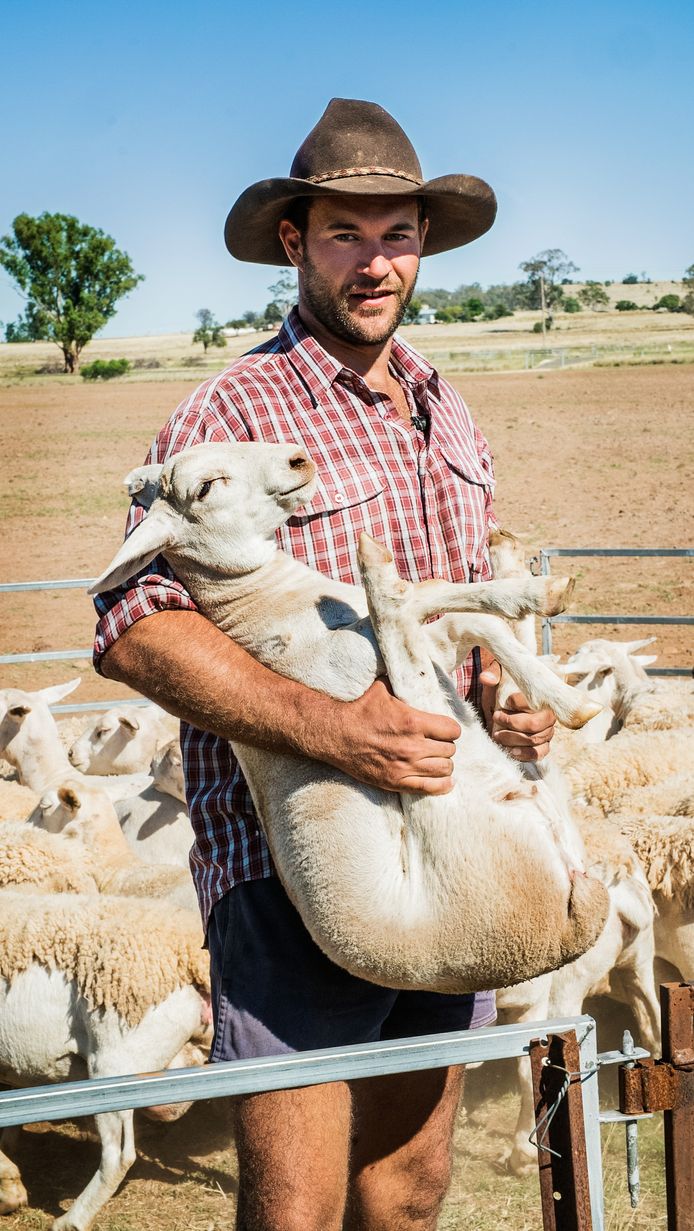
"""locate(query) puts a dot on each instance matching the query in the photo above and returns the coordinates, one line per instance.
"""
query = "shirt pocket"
(326, 533)
(471, 482)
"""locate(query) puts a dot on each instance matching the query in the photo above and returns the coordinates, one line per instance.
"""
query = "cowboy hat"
(357, 147)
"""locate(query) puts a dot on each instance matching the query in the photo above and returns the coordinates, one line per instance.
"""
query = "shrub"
(105, 369)
(630, 280)
(496, 312)
(537, 327)
(571, 305)
(673, 303)
(626, 305)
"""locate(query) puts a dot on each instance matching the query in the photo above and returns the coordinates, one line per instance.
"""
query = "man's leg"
(293, 1147)
(402, 1149)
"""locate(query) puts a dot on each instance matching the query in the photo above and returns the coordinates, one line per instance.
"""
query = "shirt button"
(339, 498)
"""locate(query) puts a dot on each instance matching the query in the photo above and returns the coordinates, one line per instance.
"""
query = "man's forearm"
(193, 670)
(190, 668)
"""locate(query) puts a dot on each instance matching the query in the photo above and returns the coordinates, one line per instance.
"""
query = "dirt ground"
(585, 458)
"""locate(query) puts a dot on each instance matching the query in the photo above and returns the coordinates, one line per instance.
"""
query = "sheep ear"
(153, 535)
(604, 671)
(69, 798)
(54, 694)
(19, 711)
(631, 647)
(143, 484)
(645, 660)
(130, 724)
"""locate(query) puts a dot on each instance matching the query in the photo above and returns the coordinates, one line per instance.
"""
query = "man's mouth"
(374, 299)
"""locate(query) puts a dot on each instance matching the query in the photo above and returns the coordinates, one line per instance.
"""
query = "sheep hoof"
(13, 1194)
(583, 712)
(558, 595)
(371, 553)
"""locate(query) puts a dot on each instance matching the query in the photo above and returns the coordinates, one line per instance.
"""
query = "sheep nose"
(71, 755)
(298, 461)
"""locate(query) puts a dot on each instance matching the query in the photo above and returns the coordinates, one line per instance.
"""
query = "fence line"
(546, 554)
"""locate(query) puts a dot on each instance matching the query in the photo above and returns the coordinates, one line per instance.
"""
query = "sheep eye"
(203, 489)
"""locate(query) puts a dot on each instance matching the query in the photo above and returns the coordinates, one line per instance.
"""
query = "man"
(399, 456)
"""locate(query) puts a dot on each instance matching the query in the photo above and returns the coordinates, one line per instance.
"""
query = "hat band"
(347, 172)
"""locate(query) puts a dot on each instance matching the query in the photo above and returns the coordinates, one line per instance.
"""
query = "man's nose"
(376, 266)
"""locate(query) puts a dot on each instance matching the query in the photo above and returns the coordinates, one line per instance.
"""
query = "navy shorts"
(275, 991)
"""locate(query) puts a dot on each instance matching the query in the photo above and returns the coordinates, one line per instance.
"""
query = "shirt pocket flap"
(469, 464)
(334, 495)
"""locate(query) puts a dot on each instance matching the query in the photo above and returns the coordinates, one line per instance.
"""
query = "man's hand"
(525, 734)
(385, 743)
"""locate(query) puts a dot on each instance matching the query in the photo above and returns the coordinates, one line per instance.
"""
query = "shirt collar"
(320, 370)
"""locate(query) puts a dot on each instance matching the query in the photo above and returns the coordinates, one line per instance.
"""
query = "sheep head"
(217, 506)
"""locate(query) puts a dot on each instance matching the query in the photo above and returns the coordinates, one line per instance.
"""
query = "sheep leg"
(453, 637)
(513, 598)
(115, 1129)
(13, 1194)
(521, 1157)
(635, 983)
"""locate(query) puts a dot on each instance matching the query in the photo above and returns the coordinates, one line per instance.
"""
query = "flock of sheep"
(99, 975)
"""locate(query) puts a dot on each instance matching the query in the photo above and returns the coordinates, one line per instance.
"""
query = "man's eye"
(346, 236)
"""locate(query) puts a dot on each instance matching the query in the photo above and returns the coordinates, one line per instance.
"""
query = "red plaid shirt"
(426, 494)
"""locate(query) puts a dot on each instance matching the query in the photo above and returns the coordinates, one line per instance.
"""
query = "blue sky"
(148, 119)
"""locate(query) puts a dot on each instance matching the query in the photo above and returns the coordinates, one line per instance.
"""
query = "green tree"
(544, 274)
(630, 280)
(412, 311)
(284, 292)
(673, 303)
(688, 277)
(688, 280)
(569, 304)
(209, 331)
(594, 295)
(71, 275)
(626, 305)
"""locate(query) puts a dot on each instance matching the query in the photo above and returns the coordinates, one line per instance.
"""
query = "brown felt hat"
(357, 147)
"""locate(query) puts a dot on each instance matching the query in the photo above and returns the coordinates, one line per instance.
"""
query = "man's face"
(358, 263)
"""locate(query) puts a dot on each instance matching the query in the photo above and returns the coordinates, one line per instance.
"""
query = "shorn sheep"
(613, 673)
(30, 741)
(123, 740)
(407, 891)
(123, 986)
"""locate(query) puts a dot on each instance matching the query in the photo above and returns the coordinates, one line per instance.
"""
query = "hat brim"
(460, 208)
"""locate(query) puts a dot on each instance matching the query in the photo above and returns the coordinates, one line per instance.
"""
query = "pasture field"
(589, 456)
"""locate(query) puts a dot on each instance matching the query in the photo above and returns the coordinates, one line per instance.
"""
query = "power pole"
(543, 303)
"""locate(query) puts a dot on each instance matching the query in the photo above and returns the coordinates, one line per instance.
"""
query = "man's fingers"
(529, 753)
(530, 722)
(439, 727)
(519, 739)
(430, 786)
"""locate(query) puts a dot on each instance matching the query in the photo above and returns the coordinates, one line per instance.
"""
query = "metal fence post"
(677, 1014)
(560, 1133)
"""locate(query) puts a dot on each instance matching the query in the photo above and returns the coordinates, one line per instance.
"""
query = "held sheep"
(404, 891)
(122, 986)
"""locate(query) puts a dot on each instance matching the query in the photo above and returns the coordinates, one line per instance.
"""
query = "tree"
(626, 305)
(673, 303)
(209, 331)
(544, 273)
(412, 311)
(284, 292)
(594, 295)
(569, 304)
(71, 275)
(630, 280)
(688, 277)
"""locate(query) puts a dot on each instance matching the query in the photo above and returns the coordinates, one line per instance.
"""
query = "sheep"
(407, 891)
(613, 673)
(29, 740)
(620, 962)
(123, 740)
(16, 801)
(602, 774)
(167, 771)
(672, 796)
(157, 827)
(122, 986)
(47, 861)
(665, 846)
(81, 811)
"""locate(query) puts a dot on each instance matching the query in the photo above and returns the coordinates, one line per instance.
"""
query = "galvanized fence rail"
(350, 1063)
(548, 622)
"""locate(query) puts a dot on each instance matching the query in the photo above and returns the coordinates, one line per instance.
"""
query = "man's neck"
(369, 362)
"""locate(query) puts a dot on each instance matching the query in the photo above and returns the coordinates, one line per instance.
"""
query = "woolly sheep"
(122, 986)
(602, 774)
(122, 740)
(665, 846)
(39, 860)
(86, 813)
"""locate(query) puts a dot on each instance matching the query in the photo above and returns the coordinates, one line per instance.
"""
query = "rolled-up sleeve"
(198, 419)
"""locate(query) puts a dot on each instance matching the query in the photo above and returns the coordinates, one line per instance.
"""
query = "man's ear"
(290, 238)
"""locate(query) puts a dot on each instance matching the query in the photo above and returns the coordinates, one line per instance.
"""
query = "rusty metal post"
(677, 1013)
(560, 1134)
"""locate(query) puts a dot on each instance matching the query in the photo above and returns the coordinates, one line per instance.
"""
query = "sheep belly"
(37, 1031)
